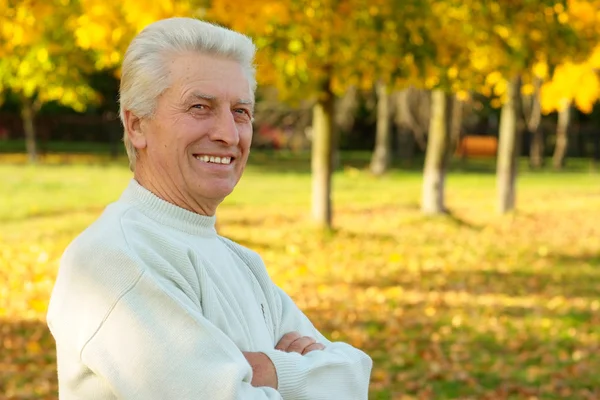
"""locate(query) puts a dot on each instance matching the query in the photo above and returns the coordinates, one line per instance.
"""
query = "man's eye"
(243, 113)
(200, 106)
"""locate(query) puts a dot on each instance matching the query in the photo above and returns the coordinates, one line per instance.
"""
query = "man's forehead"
(204, 76)
(200, 95)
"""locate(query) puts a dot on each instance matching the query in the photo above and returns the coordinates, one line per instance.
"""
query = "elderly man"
(150, 302)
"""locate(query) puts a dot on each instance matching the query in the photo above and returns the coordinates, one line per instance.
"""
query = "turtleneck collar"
(167, 213)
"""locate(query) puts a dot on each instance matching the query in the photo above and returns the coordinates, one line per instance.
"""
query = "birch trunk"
(434, 174)
(322, 158)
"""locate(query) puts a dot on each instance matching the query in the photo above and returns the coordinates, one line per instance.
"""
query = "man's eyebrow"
(202, 96)
(246, 102)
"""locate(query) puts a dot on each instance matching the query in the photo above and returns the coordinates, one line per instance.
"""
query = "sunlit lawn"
(469, 306)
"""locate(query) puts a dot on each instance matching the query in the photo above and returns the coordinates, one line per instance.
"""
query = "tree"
(574, 83)
(436, 158)
(39, 62)
(107, 27)
(532, 114)
(448, 39)
(382, 156)
(411, 117)
(522, 36)
(562, 136)
(318, 50)
(508, 149)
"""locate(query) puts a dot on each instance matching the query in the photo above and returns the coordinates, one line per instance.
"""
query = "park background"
(424, 181)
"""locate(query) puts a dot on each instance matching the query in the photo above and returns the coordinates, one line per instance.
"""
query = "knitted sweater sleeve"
(340, 371)
(155, 344)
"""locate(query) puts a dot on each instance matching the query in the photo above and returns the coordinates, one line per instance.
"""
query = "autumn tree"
(318, 50)
(382, 157)
(107, 27)
(574, 83)
(532, 116)
(516, 40)
(497, 49)
(444, 40)
(39, 61)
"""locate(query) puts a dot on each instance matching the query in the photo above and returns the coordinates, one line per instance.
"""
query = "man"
(150, 303)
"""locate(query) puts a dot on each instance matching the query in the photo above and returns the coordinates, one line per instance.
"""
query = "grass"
(468, 306)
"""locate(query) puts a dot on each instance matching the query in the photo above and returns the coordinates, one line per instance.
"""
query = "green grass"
(468, 306)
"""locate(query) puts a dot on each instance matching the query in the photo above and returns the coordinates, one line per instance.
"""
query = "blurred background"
(424, 180)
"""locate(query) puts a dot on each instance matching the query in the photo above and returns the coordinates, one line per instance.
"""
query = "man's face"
(198, 141)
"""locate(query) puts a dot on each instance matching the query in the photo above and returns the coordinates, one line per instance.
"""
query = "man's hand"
(293, 342)
(263, 370)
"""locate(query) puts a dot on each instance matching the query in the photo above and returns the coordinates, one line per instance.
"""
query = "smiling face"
(193, 150)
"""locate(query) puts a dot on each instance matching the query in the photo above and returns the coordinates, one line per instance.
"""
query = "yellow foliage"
(527, 89)
(107, 27)
(540, 69)
(584, 14)
(571, 82)
(38, 59)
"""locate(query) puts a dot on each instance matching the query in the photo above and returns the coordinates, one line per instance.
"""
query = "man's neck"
(167, 190)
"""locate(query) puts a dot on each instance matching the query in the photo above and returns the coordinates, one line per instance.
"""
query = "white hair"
(144, 73)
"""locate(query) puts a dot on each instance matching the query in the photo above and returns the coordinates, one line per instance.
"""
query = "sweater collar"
(167, 213)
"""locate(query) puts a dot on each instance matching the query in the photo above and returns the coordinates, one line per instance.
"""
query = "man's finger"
(286, 340)
(300, 344)
(313, 347)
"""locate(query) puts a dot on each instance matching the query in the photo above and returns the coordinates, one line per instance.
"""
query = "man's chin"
(215, 193)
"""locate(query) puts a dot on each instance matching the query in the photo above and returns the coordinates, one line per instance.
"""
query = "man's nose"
(225, 129)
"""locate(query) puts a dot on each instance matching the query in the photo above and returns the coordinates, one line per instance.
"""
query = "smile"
(213, 159)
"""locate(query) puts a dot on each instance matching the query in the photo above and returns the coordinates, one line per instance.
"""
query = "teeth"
(216, 160)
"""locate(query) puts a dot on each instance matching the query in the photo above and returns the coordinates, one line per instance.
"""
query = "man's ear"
(133, 127)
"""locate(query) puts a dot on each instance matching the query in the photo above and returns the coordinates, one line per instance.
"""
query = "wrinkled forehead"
(209, 76)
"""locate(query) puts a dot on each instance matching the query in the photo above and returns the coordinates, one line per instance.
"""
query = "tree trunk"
(434, 175)
(412, 110)
(380, 161)
(28, 114)
(455, 124)
(322, 157)
(336, 156)
(562, 137)
(508, 146)
(406, 145)
(537, 148)
(532, 113)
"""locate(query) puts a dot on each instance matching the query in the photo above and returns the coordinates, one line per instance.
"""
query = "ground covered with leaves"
(467, 306)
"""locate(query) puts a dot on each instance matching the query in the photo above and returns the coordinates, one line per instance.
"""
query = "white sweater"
(150, 303)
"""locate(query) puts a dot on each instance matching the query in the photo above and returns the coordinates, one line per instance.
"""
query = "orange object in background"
(477, 146)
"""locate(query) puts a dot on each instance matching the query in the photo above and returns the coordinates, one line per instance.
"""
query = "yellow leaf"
(33, 348)
(295, 46)
(540, 69)
(527, 89)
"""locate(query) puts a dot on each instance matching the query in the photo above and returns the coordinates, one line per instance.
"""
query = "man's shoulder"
(115, 231)
(105, 233)
(97, 267)
(107, 252)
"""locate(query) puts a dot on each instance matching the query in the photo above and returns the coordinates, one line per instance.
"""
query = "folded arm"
(338, 371)
(156, 344)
